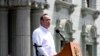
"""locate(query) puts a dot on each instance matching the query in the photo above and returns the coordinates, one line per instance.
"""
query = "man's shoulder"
(37, 30)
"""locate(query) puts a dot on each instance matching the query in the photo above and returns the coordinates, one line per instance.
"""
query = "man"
(43, 38)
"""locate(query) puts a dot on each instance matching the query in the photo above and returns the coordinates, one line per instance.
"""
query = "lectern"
(70, 49)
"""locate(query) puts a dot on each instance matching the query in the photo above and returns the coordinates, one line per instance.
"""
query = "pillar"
(95, 46)
(3, 32)
(83, 35)
(21, 32)
(35, 18)
(35, 22)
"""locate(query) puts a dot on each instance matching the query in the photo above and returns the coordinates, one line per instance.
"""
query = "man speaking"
(43, 39)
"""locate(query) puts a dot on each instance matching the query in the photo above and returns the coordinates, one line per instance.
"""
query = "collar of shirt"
(44, 29)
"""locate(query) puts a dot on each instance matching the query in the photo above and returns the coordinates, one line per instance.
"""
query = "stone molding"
(63, 4)
(18, 2)
(93, 12)
(26, 3)
(39, 5)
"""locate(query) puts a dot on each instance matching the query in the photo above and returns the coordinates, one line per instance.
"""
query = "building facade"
(78, 21)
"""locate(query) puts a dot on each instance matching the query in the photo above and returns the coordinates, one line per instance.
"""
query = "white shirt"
(41, 36)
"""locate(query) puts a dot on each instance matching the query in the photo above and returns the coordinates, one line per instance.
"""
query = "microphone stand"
(57, 31)
(62, 37)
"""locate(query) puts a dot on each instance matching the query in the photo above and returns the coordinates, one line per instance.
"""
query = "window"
(89, 50)
(88, 3)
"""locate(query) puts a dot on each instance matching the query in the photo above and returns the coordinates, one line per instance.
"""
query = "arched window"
(68, 26)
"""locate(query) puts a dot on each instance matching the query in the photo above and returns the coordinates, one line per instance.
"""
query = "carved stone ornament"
(93, 32)
(39, 5)
(63, 4)
(89, 32)
(96, 14)
(65, 26)
(85, 30)
(93, 12)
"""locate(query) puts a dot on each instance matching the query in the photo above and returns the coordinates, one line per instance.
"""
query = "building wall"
(98, 26)
(76, 19)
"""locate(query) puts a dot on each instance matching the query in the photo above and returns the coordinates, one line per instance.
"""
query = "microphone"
(58, 31)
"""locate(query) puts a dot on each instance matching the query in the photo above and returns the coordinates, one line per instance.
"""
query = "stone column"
(83, 35)
(21, 32)
(95, 47)
(35, 22)
(35, 18)
(3, 32)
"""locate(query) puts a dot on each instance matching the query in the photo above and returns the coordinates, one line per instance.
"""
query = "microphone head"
(57, 30)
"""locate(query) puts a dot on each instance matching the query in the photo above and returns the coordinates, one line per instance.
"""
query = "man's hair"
(41, 18)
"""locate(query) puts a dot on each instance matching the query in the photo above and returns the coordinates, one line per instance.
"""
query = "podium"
(70, 49)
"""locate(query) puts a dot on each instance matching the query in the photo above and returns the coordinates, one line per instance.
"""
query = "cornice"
(63, 4)
(31, 4)
(39, 5)
(93, 12)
